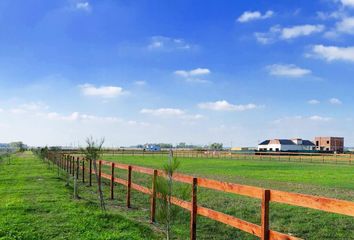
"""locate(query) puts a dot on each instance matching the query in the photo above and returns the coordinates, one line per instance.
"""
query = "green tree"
(92, 153)
(164, 189)
(216, 146)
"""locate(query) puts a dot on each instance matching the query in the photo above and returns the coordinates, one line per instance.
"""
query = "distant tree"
(165, 145)
(92, 152)
(216, 146)
(181, 145)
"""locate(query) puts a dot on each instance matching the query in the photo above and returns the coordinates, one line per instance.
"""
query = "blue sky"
(175, 71)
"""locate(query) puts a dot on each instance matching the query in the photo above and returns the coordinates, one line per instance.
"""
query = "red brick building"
(330, 144)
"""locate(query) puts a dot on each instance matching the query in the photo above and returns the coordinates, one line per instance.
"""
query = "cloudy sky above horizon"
(175, 71)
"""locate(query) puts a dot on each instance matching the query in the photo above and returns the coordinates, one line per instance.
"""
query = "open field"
(36, 195)
(325, 180)
(35, 204)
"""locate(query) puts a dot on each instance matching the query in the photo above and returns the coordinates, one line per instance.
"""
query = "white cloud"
(1, 110)
(163, 112)
(84, 6)
(346, 25)
(313, 102)
(287, 70)
(278, 33)
(223, 105)
(335, 101)
(30, 107)
(140, 83)
(332, 53)
(168, 44)
(302, 119)
(301, 30)
(76, 116)
(103, 91)
(193, 75)
(256, 15)
(319, 118)
(348, 3)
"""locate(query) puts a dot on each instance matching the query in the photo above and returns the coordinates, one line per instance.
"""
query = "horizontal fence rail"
(68, 162)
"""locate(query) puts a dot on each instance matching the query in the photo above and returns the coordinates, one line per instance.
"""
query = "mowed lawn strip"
(35, 204)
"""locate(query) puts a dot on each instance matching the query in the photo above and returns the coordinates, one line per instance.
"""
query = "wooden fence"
(75, 165)
(261, 156)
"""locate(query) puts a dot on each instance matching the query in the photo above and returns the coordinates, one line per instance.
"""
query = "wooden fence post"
(112, 181)
(77, 167)
(99, 172)
(153, 198)
(90, 173)
(265, 215)
(73, 166)
(83, 170)
(129, 185)
(193, 223)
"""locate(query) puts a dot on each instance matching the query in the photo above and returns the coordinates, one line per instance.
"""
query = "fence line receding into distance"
(74, 164)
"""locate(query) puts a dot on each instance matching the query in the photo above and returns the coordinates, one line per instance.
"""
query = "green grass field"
(35, 204)
(328, 180)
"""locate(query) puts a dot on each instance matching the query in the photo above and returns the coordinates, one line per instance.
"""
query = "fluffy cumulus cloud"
(224, 105)
(346, 25)
(313, 102)
(277, 32)
(301, 30)
(163, 43)
(163, 111)
(332, 53)
(335, 101)
(84, 6)
(194, 75)
(348, 3)
(256, 15)
(287, 70)
(102, 91)
(319, 118)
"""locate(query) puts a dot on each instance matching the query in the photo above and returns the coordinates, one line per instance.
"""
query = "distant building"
(152, 147)
(286, 145)
(329, 144)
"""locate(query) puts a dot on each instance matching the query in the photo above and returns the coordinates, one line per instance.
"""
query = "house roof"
(307, 143)
(286, 142)
(266, 142)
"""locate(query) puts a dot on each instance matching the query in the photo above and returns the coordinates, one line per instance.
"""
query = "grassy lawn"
(35, 204)
(329, 180)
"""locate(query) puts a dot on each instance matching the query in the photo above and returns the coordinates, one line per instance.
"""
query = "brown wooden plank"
(121, 181)
(320, 203)
(183, 204)
(231, 187)
(230, 220)
(273, 235)
(143, 170)
(140, 188)
(105, 175)
(179, 177)
(121, 166)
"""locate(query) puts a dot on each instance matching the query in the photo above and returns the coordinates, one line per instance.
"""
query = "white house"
(286, 145)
